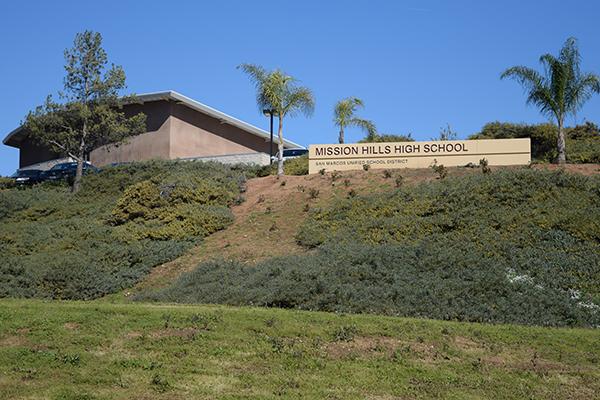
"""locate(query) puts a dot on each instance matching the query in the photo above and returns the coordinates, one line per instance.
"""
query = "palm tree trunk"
(561, 145)
(341, 137)
(280, 152)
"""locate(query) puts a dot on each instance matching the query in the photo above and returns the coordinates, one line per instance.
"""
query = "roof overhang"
(14, 139)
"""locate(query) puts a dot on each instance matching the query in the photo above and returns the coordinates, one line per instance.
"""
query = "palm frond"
(299, 99)
(256, 72)
(582, 90)
(537, 87)
(364, 124)
(345, 109)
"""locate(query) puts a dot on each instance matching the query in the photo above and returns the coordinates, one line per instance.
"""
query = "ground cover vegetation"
(517, 246)
(100, 351)
(293, 166)
(124, 221)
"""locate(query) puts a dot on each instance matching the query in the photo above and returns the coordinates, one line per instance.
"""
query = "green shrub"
(296, 166)
(293, 166)
(6, 183)
(432, 279)
(178, 207)
(505, 204)
(439, 169)
(377, 138)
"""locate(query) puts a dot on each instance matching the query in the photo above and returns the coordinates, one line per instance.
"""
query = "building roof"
(13, 138)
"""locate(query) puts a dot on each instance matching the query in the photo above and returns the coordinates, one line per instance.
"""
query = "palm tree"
(561, 90)
(344, 115)
(278, 92)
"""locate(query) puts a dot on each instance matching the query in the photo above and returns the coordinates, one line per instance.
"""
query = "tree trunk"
(280, 152)
(341, 137)
(79, 171)
(561, 145)
(80, 156)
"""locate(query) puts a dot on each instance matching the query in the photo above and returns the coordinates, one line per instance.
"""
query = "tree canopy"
(90, 113)
(344, 115)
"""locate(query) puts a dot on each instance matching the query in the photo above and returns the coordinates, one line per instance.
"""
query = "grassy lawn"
(98, 350)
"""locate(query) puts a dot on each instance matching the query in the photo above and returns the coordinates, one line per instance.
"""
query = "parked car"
(291, 153)
(67, 170)
(28, 176)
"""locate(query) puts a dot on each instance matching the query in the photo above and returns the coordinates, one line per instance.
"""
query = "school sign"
(344, 157)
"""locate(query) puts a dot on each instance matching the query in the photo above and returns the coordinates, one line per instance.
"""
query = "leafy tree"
(446, 134)
(90, 114)
(378, 138)
(277, 91)
(344, 116)
(560, 90)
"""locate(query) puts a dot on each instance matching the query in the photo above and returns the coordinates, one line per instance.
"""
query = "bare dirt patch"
(71, 326)
(467, 344)
(133, 335)
(13, 341)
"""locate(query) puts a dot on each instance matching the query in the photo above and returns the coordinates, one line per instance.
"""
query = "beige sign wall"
(344, 157)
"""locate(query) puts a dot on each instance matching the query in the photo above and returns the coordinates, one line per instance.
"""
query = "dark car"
(292, 153)
(66, 171)
(28, 176)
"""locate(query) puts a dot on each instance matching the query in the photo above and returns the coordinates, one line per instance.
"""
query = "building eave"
(12, 135)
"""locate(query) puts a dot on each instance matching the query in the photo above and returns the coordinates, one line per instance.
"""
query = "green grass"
(93, 350)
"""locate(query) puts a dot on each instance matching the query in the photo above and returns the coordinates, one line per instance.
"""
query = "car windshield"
(27, 172)
(59, 167)
(70, 166)
(294, 152)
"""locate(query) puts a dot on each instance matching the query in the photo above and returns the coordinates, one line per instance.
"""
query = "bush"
(293, 166)
(174, 207)
(517, 246)
(296, 166)
(377, 138)
(6, 183)
(126, 220)
(582, 141)
(432, 279)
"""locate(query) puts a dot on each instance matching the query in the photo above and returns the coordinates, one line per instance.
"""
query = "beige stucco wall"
(151, 145)
(176, 131)
(147, 146)
(194, 134)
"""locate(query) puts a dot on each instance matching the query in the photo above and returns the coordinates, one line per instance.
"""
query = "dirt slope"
(266, 222)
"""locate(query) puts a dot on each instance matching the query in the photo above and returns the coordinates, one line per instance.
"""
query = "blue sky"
(418, 65)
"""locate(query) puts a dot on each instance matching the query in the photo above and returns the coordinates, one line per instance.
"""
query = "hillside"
(125, 221)
(272, 212)
(518, 245)
(303, 242)
(93, 350)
